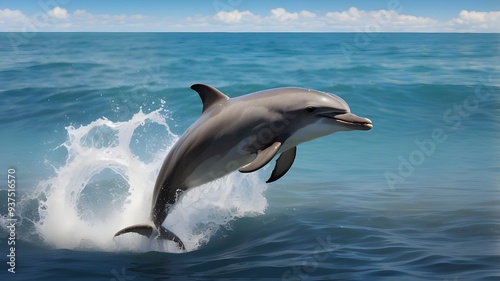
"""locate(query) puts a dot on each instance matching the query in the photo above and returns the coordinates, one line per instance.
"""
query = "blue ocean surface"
(86, 120)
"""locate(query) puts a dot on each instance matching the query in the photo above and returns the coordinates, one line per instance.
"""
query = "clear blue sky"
(252, 15)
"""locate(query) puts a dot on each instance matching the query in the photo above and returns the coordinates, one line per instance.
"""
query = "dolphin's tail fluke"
(147, 230)
(169, 235)
(142, 229)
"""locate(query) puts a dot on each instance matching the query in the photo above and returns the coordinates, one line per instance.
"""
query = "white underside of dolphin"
(245, 134)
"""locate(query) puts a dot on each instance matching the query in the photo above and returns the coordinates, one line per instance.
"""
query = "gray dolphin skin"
(243, 133)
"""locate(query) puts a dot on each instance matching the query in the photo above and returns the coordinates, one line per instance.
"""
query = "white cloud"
(278, 19)
(307, 14)
(478, 17)
(80, 13)
(82, 20)
(281, 14)
(477, 21)
(60, 19)
(12, 20)
(353, 14)
(58, 13)
(337, 16)
(378, 20)
(234, 16)
(10, 14)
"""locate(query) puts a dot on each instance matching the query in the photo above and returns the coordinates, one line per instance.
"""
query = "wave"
(51, 66)
(106, 183)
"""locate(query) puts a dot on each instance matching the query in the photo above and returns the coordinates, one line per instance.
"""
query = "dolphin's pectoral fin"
(209, 95)
(142, 229)
(283, 164)
(169, 235)
(263, 157)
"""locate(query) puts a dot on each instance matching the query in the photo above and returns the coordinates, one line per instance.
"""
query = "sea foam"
(107, 183)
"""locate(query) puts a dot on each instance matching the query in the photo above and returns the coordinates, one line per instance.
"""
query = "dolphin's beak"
(351, 121)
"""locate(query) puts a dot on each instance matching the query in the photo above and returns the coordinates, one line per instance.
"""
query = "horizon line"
(323, 32)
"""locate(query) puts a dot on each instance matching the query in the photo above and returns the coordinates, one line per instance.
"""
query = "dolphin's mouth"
(351, 120)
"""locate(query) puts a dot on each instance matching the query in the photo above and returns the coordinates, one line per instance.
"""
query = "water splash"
(107, 182)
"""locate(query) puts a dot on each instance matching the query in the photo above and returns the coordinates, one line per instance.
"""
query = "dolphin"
(243, 133)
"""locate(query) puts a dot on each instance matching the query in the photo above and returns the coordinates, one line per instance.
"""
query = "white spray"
(104, 186)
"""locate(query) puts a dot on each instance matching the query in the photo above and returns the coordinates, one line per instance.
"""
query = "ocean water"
(86, 120)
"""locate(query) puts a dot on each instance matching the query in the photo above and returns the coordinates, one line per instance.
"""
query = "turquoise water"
(87, 118)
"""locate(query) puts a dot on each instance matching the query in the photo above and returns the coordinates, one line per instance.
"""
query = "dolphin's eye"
(310, 108)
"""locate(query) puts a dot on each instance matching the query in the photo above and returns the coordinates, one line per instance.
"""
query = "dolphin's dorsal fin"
(263, 157)
(209, 95)
(283, 164)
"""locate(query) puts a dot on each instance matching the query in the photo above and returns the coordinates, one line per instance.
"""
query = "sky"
(250, 16)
